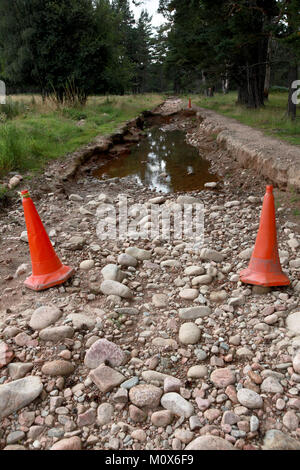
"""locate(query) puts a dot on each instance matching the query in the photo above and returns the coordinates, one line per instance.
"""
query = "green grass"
(296, 212)
(36, 132)
(294, 197)
(5, 195)
(271, 119)
(12, 109)
(32, 132)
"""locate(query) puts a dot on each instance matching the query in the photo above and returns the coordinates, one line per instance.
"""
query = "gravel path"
(151, 345)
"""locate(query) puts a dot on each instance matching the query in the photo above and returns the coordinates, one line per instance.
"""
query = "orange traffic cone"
(190, 103)
(47, 269)
(264, 268)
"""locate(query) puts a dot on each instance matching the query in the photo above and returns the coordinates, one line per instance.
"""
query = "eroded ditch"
(155, 153)
(162, 161)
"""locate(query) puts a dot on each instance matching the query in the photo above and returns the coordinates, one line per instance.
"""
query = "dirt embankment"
(269, 157)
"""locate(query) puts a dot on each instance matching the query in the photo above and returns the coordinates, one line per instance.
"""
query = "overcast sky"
(151, 6)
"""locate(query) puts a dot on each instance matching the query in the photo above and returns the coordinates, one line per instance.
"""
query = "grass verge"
(271, 119)
(33, 132)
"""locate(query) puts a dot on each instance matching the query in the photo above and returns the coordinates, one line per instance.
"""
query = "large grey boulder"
(18, 394)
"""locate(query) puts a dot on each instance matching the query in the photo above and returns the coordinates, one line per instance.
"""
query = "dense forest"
(83, 47)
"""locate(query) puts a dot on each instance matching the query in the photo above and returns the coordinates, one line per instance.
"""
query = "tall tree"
(223, 35)
(159, 78)
(143, 55)
(291, 38)
(63, 46)
(127, 34)
(117, 73)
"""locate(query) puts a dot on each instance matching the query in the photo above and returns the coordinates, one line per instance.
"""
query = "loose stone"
(145, 396)
(104, 414)
(81, 321)
(189, 333)
(127, 260)
(194, 312)
(296, 363)
(162, 418)
(44, 316)
(172, 384)
(58, 368)
(177, 405)
(197, 372)
(6, 354)
(189, 294)
(104, 351)
(112, 272)
(18, 394)
(221, 378)
(56, 334)
(106, 378)
(73, 443)
(291, 420)
(138, 253)
(271, 385)
(87, 265)
(184, 435)
(116, 288)
(249, 398)
(18, 370)
(209, 443)
(277, 440)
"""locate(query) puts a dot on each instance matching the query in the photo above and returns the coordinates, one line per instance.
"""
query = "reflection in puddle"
(163, 161)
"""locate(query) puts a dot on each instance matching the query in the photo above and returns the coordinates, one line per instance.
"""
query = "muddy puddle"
(162, 161)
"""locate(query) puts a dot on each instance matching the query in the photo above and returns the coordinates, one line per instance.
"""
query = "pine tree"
(63, 46)
(213, 37)
(127, 36)
(158, 76)
(291, 39)
(143, 55)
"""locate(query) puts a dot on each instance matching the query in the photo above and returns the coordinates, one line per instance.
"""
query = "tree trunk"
(250, 95)
(44, 95)
(293, 76)
(251, 90)
(204, 83)
(225, 86)
(268, 70)
(251, 75)
(210, 92)
(177, 85)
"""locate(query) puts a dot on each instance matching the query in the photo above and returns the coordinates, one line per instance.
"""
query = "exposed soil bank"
(226, 143)
(269, 157)
(119, 144)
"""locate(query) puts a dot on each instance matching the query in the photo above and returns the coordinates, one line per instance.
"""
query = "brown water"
(162, 161)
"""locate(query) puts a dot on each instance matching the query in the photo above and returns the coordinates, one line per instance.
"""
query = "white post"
(2, 92)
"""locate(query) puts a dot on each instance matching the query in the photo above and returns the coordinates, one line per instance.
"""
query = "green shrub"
(74, 114)
(13, 148)
(42, 134)
(12, 109)
(3, 192)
